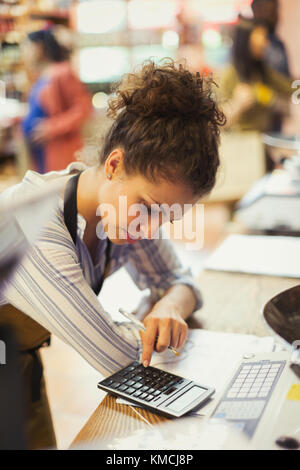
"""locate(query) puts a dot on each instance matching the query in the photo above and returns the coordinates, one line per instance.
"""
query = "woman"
(58, 103)
(250, 89)
(162, 148)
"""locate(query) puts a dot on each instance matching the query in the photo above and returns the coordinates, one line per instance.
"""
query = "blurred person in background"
(276, 55)
(58, 104)
(250, 89)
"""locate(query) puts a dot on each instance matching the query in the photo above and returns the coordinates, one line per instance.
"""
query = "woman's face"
(258, 42)
(126, 200)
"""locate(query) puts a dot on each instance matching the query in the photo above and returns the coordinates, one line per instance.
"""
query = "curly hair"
(167, 122)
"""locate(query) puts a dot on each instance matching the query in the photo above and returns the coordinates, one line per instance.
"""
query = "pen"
(138, 323)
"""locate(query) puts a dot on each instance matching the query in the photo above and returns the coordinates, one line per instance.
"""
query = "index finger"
(148, 340)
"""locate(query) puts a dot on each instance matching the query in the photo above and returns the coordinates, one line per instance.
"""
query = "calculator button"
(252, 394)
(163, 381)
(263, 394)
(151, 390)
(156, 386)
(144, 395)
(130, 368)
(156, 393)
(149, 398)
(137, 385)
(131, 375)
(170, 390)
(137, 393)
(108, 382)
(123, 372)
(268, 382)
(129, 383)
(115, 385)
(172, 382)
(145, 388)
(130, 390)
(122, 380)
(122, 388)
(138, 377)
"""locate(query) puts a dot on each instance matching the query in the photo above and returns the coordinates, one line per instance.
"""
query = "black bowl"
(282, 315)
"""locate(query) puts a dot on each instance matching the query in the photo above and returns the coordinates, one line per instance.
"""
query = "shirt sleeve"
(154, 264)
(50, 288)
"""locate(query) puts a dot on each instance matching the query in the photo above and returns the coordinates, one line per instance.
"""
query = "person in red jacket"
(59, 104)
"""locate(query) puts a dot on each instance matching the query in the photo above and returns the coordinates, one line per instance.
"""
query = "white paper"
(268, 255)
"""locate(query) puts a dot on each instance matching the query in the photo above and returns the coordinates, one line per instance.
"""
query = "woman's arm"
(50, 288)
(153, 264)
(235, 97)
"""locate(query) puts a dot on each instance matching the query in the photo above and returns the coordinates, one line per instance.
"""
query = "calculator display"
(186, 398)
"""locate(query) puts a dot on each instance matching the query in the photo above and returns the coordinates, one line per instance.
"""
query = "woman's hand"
(164, 327)
(244, 96)
(39, 134)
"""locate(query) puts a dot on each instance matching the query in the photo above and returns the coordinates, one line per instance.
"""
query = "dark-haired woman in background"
(250, 89)
(161, 150)
(58, 104)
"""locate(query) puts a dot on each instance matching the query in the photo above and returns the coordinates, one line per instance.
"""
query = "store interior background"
(111, 37)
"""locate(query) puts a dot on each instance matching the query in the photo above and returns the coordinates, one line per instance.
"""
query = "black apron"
(70, 216)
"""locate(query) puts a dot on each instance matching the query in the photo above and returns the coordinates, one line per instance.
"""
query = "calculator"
(157, 390)
(248, 393)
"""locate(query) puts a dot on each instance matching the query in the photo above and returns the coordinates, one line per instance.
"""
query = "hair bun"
(158, 91)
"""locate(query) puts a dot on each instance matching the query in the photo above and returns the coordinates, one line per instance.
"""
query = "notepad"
(266, 255)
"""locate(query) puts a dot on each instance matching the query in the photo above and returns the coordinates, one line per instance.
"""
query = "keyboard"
(248, 393)
(157, 390)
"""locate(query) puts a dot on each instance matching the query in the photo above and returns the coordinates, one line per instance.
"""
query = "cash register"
(273, 204)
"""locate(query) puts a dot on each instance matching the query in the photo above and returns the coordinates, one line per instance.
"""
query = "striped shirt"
(53, 284)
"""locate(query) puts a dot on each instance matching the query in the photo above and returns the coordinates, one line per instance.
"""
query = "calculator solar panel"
(157, 390)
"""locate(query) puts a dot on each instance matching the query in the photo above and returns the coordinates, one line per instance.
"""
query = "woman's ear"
(114, 163)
